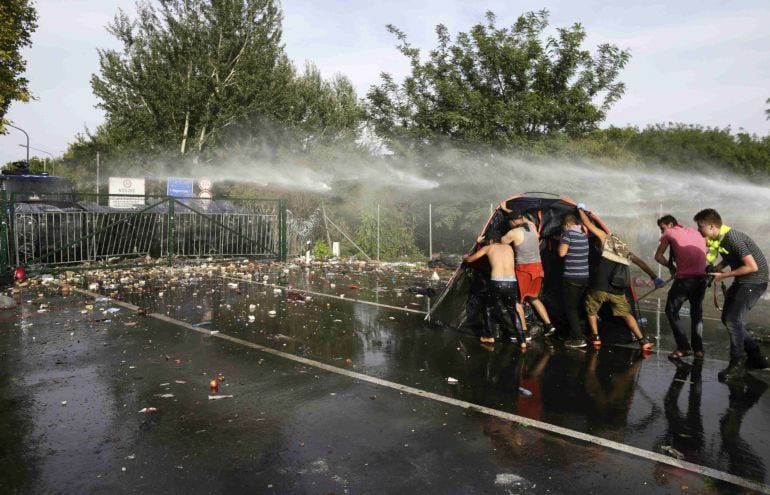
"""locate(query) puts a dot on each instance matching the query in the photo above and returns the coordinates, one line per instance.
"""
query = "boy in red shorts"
(529, 268)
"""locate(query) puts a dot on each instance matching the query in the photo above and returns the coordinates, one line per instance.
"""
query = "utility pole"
(25, 133)
(97, 175)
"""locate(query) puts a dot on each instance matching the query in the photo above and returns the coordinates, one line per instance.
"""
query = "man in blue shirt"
(574, 249)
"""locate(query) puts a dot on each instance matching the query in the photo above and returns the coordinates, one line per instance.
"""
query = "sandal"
(679, 354)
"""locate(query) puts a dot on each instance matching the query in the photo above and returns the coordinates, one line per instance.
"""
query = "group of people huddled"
(517, 276)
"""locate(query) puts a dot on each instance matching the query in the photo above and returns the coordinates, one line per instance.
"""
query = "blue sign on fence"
(180, 187)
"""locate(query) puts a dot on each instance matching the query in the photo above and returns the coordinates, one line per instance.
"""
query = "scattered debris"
(148, 409)
(7, 302)
(451, 381)
(667, 449)
(218, 397)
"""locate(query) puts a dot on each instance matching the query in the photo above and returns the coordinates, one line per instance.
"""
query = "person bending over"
(529, 267)
(610, 281)
(749, 268)
(503, 286)
(687, 264)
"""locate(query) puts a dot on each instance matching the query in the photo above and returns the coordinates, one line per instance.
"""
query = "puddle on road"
(614, 393)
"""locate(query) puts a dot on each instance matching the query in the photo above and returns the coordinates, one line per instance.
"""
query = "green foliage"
(397, 230)
(196, 76)
(190, 69)
(692, 147)
(18, 20)
(324, 110)
(321, 250)
(502, 86)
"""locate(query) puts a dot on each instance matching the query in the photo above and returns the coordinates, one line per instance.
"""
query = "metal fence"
(79, 228)
(395, 231)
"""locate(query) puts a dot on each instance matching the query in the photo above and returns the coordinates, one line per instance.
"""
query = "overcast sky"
(701, 62)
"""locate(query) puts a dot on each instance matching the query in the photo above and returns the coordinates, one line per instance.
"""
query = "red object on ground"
(20, 273)
(294, 296)
(214, 385)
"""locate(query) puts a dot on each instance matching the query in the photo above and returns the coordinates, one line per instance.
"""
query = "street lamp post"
(42, 151)
(25, 133)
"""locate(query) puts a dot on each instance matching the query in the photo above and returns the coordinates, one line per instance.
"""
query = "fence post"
(430, 231)
(282, 234)
(4, 252)
(171, 228)
(378, 232)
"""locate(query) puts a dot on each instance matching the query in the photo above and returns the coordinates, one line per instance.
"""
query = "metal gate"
(75, 229)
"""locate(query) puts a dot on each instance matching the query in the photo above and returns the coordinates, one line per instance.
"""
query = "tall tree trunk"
(186, 130)
(202, 138)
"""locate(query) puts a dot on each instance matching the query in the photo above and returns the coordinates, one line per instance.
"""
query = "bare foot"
(523, 345)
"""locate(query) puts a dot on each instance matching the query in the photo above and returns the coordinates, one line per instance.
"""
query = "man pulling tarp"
(462, 303)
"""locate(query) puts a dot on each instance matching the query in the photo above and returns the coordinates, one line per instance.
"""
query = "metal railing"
(78, 228)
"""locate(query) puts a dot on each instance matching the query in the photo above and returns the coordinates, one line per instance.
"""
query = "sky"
(697, 62)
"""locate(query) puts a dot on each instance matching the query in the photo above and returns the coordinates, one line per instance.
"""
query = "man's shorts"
(530, 276)
(595, 299)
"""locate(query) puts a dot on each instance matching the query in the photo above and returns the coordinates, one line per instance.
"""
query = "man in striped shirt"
(749, 268)
(574, 249)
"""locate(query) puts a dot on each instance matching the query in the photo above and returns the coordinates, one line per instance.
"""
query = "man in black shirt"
(749, 267)
(611, 279)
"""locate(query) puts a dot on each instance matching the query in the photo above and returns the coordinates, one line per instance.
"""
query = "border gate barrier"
(72, 229)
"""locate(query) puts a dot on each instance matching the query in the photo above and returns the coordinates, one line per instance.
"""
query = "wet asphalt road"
(294, 428)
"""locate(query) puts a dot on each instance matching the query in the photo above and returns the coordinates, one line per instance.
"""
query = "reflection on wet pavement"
(615, 393)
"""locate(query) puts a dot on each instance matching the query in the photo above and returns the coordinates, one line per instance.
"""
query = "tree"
(191, 69)
(499, 85)
(325, 110)
(18, 20)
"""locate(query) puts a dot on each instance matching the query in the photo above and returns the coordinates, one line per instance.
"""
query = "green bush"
(321, 250)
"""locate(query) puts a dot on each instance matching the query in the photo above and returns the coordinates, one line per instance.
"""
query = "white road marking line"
(322, 294)
(521, 420)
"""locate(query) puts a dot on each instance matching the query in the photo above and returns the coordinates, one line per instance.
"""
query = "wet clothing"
(688, 249)
(573, 291)
(738, 245)
(529, 249)
(611, 278)
(596, 298)
(739, 300)
(691, 289)
(743, 294)
(576, 260)
(504, 296)
(575, 277)
(714, 245)
(612, 274)
(530, 277)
